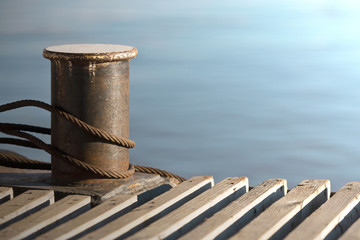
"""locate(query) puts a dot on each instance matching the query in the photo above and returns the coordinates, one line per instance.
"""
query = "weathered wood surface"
(204, 203)
(45, 217)
(195, 209)
(280, 215)
(24, 179)
(24, 203)
(353, 233)
(326, 219)
(6, 193)
(92, 217)
(255, 200)
(159, 205)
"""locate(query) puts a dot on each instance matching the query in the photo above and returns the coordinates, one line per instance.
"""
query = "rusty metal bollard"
(91, 82)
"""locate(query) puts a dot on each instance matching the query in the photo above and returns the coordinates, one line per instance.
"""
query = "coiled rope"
(11, 159)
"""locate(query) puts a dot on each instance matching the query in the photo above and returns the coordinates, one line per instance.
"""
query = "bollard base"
(22, 180)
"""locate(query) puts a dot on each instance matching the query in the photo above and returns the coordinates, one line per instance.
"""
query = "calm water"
(261, 89)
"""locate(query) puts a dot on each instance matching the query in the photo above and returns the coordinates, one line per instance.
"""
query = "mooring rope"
(74, 120)
(15, 160)
(18, 142)
(11, 159)
(62, 156)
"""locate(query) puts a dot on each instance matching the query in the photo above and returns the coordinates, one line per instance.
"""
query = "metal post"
(91, 82)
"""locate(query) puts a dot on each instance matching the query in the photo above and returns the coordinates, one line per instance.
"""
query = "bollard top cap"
(90, 52)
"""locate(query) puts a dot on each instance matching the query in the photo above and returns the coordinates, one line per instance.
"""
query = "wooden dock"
(195, 209)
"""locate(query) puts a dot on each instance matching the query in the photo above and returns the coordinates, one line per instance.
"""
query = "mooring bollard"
(91, 82)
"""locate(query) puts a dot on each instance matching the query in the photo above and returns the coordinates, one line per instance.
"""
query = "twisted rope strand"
(124, 142)
(159, 172)
(28, 128)
(58, 154)
(15, 160)
(11, 159)
(18, 142)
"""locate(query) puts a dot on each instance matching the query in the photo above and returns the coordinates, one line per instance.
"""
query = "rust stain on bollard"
(91, 82)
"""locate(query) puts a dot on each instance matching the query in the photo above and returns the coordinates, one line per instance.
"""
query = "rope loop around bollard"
(11, 159)
(74, 120)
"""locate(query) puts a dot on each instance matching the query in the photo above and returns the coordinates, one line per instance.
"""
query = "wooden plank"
(279, 217)
(324, 220)
(260, 197)
(24, 204)
(157, 207)
(35, 179)
(6, 193)
(353, 233)
(92, 217)
(195, 211)
(43, 218)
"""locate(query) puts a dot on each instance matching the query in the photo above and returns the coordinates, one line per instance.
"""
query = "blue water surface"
(263, 89)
